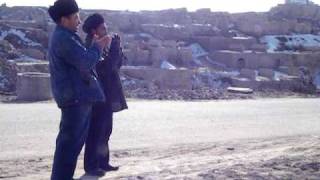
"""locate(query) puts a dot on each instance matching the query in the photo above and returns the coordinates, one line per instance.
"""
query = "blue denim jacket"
(72, 67)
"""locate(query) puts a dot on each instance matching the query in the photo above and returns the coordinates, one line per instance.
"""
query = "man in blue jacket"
(74, 85)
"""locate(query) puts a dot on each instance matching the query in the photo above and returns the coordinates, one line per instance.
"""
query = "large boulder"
(18, 38)
(7, 51)
(37, 35)
(33, 86)
(33, 53)
(8, 76)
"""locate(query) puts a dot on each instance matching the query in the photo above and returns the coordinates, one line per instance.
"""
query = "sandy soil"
(238, 139)
(281, 158)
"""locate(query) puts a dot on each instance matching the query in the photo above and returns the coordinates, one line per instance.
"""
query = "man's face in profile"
(101, 30)
(71, 22)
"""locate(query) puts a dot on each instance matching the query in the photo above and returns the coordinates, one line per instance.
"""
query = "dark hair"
(62, 8)
(92, 22)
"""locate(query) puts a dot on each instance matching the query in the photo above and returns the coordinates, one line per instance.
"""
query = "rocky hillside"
(27, 28)
(25, 31)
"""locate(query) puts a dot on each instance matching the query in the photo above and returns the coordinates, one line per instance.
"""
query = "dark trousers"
(97, 144)
(74, 126)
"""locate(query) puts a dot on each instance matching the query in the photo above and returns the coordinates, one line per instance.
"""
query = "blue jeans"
(74, 127)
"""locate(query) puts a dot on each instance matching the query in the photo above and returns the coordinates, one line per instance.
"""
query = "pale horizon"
(232, 6)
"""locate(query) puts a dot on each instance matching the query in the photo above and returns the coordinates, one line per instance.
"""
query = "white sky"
(136, 5)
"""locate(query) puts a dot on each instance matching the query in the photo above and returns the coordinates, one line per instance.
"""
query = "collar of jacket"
(61, 28)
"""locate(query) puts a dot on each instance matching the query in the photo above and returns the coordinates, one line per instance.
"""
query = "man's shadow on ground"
(88, 177)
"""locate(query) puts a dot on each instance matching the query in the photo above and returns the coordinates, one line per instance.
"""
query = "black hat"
(62, 8)
(92, 22)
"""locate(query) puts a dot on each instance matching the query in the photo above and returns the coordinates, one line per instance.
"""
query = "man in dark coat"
(74, 85)
(97, 149)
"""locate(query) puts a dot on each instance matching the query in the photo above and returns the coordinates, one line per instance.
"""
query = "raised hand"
(115, 44)
(102, 42)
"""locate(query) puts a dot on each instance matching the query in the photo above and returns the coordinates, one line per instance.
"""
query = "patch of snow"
(230, 26)
(271, 42)
(177, 26)
(229, 51)
(280, 75)
(227, 74)
(256, 72)
(197, 61)
(166, 65)
(197, 51)
(242, 37)
(220, 74)
(305, 40)
(207, 25)
(207, 78)
(135, 67)
(216, 29)
(146, 35)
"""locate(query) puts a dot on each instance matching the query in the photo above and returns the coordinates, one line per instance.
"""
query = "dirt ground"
(233, 139)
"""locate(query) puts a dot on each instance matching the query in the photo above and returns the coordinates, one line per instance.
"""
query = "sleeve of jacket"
(121, 59)
(77, 55)
(114, 57)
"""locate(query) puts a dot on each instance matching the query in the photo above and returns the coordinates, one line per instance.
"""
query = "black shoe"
(96, 172)
(110, 168)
